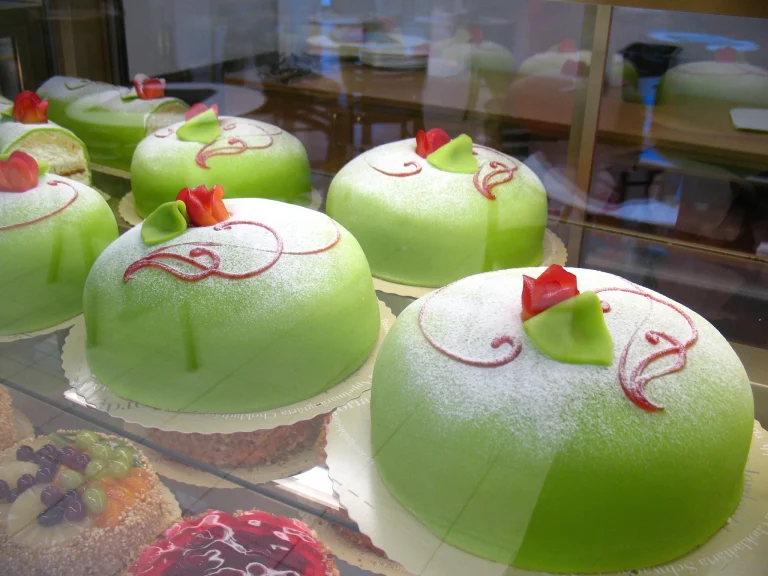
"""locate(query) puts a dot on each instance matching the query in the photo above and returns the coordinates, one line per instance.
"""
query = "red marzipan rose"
(204, 207)
(148, 88)
(198, 109)
(727, 54)
(553, 286)
(429, 141)
(476, 33)
(566, 45)
(29, 109)
(19, 173)
(575, 68)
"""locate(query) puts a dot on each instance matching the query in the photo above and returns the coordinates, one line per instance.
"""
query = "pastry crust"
(7, 423)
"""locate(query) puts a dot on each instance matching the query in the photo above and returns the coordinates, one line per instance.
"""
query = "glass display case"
(173, 346)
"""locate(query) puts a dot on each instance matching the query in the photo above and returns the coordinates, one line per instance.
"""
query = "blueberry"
(25, 482)
(51, 517)
(72, 495)
(51, 496)
(12, 495)
(45, 475)
(66, 452)
(25, 454)
(75, 510)
(81, 461)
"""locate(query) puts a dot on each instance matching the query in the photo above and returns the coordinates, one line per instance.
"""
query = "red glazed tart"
(248, 449)
(78, 503)
(7, 422)
(243, 543)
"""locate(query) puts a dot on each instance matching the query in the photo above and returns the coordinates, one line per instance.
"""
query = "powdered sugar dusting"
(269, 143)
(19, 207)
(548, 398)
(448, 194)
(241, 249)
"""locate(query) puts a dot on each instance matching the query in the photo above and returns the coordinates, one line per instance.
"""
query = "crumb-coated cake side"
(243, 543)
(561, 420)
(7, 422)
(78, 503)
(245, 449)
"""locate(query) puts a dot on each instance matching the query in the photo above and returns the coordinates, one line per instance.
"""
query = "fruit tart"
(78, 503)
(246, 543)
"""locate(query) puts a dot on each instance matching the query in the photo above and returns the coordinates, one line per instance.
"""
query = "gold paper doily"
(96, 395)
(554, 252)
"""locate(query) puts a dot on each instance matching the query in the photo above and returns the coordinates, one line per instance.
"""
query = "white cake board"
(98, 396)
(24, 427)
(554, 252)
(348, 551)
(24, 335)
(739, 549)
(127, 206)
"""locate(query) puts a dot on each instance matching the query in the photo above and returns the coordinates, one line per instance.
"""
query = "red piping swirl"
(486, 184)
(66, 205)
(416, 169)
(633, 382)
(169, 132)
(515, 346)
(234, 146)
(201, 250)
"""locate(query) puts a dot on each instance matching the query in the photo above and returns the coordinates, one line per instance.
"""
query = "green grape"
(123, 459)
(118, 469)
(70, 480)
(124, 454)
(96, 469)
(85, 439)
(95, 500)
(100, 452)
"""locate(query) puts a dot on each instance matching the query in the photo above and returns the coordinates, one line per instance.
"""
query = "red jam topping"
(726, 54)
(634, 380)
(204, 207)
(148, 88)
(476, 34)
(19, 173)
(553, 286)
(429, 141)
(219, 543)
(198, 109)
(28, 108)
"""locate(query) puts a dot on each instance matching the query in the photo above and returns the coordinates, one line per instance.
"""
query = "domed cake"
(561, 421)
(24, 126)
(700, 91)
(432, 210)
(51, 231)
(258, 304)
(78, 503)
(111, 120)
(621, 73)
(245, 157)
